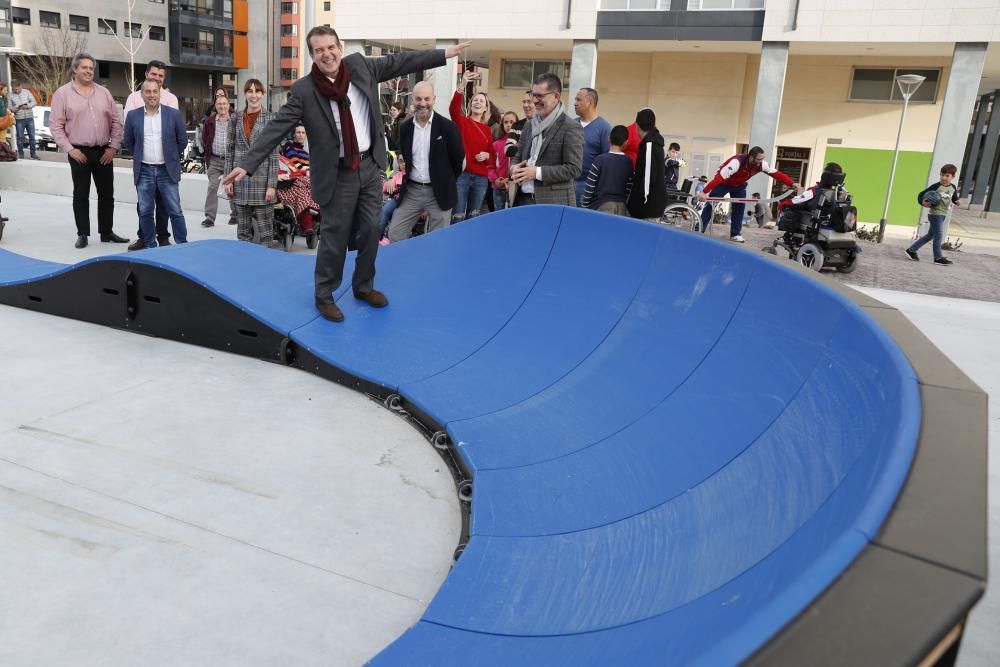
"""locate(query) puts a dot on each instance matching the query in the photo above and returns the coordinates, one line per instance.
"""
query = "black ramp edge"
(886, 609)
(94, 292)
(941, 515)
(169, 305)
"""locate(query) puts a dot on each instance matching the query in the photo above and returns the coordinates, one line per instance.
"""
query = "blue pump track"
(675, 446)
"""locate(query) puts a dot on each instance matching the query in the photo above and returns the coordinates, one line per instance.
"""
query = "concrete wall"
(53, 178)
(883, 20)
(468, 19)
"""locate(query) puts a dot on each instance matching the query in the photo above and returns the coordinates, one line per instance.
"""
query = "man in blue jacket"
(156, 136)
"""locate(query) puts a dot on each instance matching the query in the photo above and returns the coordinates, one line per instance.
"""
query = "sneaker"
(912, 255)
(207, 223)
(943, 261)
(232, 220)
(737, 239)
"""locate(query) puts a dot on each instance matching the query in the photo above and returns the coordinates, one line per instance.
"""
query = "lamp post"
(908, 84)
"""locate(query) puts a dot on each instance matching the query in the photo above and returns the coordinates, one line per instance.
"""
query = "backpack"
(7, 154)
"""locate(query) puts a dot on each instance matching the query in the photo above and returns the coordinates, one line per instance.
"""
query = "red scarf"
(337, 91)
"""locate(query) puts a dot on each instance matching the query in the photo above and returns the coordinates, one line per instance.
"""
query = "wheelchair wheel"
(850, 266)
(311, 241)
(287, 241)
(810, 256)
(681, 215)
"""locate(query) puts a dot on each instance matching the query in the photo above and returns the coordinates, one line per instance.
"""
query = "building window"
(227, 9)
(227, 43)
(872, 84)
(289, 52)
(157, 33)
(288, 74)
(4, 21)
(289, 30)
(289, 8)
(159, 2)
(725, 4)
(206, 42)
(107, 26)
(21, 15)
(636, 4)
(189, 40)
(103, 70)
(79, 23)
(49, 19)
(326, 6)
(132, 29)
(521, 73)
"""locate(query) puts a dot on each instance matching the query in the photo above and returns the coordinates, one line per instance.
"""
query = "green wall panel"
(868, 178)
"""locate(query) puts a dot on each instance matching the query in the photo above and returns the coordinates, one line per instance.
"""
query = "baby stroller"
(286, 224)
(820, 233)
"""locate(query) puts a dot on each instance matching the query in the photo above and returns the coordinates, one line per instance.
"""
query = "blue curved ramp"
(676, 445)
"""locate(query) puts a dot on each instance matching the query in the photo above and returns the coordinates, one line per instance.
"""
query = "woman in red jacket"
(479, 153)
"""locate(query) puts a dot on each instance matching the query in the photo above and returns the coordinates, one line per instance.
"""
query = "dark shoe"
(162, 241)
(35, 157)
(137, 245)
(373, 298)
(112, 238)
(207, 223)
(81, 241)
(912, 255)
(943, 261)
(330, 311)
(232, 220)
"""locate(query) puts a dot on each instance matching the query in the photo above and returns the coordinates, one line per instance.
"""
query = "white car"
(43, 135)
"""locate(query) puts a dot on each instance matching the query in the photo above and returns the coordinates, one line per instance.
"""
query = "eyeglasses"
(541, 96)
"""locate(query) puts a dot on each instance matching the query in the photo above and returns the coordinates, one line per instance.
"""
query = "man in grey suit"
(338, 103)
(550, 153)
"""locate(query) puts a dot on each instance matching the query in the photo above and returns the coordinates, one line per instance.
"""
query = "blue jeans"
(735, 210)
(471, 192)
(153, 181)
(162, 230)
(499, 199)
(22, 125)
(388, 208)
(935, 233)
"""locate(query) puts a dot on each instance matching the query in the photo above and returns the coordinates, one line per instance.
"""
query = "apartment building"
(205, 42)
(810, 80)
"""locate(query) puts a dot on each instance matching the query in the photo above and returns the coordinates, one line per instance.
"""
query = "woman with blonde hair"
(477, 137)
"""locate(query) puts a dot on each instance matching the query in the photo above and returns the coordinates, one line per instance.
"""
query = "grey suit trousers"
(416, 200)
(356, 203)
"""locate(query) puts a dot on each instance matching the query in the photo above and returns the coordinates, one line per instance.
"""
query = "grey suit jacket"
(253, 189)
(561, 159)
(308, 106)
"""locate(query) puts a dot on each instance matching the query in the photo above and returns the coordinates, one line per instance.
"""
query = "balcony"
(201, 33)
(690, 20)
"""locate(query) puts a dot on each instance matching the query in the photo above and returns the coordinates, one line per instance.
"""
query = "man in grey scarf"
(550, 153)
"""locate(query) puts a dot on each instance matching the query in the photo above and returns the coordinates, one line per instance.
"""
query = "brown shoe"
(373, 298)
(330, 311)
(136, 245)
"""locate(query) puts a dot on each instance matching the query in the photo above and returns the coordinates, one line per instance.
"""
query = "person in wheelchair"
(294, 185)
(818, 224)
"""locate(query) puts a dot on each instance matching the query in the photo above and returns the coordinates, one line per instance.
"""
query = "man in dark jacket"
(432, 150)
(649, 191)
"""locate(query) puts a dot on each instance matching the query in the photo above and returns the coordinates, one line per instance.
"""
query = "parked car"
(43, 135)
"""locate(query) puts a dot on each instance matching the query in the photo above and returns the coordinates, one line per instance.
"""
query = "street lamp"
(908, 84)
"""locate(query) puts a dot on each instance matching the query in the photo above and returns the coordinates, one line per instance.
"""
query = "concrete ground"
(167, 504)
(167, 532)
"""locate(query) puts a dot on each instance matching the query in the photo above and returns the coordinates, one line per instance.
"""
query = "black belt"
(412, 182)
(361, 158)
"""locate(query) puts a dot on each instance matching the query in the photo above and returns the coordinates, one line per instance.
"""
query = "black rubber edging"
(907, 596)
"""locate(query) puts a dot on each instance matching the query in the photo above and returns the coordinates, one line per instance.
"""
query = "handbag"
(7, 121)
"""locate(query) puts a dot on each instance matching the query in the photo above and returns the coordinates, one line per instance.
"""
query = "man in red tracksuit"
(731, 179)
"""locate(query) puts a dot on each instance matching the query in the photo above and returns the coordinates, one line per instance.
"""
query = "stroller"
(820, 232)
(286, 224)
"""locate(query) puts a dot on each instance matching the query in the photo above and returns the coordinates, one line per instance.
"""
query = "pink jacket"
(501, 168)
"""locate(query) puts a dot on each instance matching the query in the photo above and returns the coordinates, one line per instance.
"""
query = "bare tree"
(130, 39)
(49, 67)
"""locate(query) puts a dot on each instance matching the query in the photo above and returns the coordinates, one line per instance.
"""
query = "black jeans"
(104, 180)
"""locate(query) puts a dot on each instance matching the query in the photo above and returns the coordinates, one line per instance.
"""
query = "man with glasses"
(550, 152)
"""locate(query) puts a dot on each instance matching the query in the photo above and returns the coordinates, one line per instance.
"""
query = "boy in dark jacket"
(610, 177)
(649, 191)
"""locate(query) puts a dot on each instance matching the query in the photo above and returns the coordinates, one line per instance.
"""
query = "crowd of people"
(375, 181)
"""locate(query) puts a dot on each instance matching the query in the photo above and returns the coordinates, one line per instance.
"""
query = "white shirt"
(420, 170)
(360, 113)
(152, 137)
